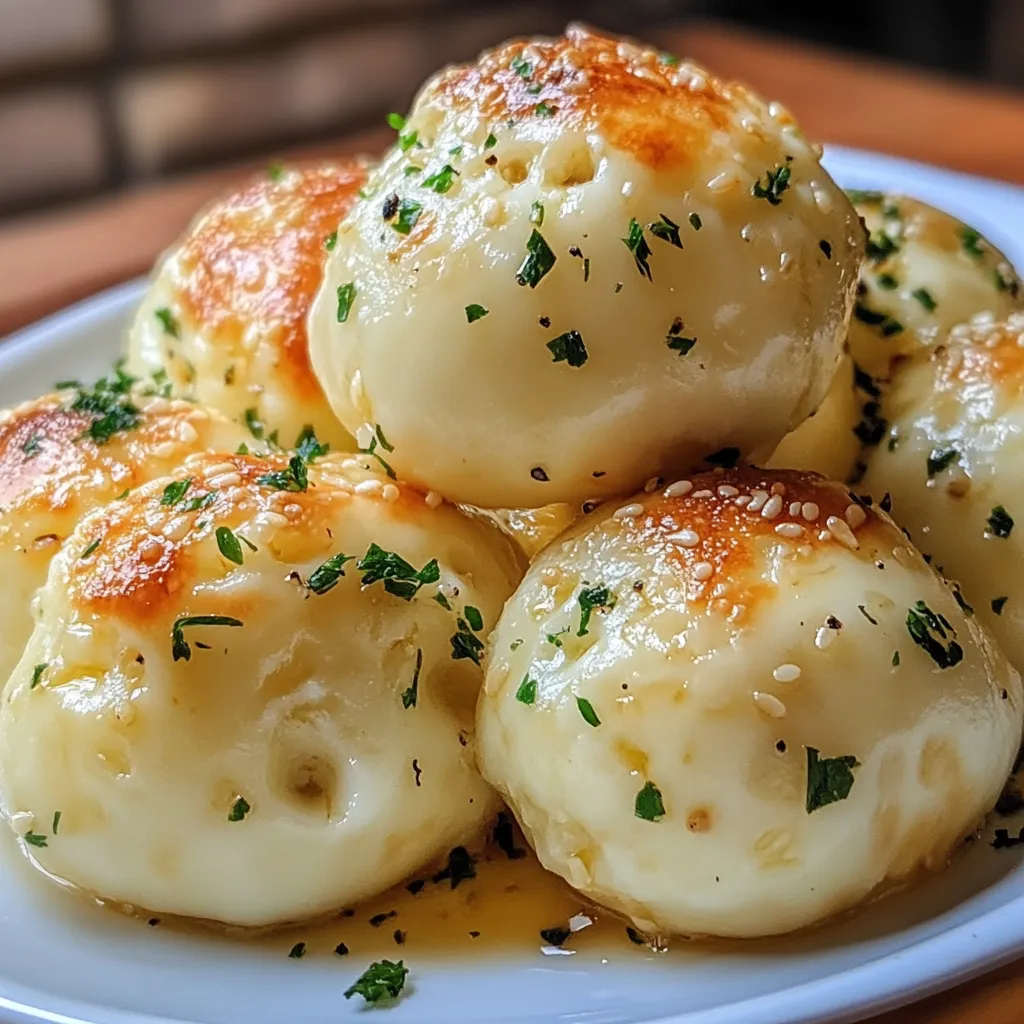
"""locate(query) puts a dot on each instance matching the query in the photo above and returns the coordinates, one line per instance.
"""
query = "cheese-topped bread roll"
(952, 463)
(224, 320)
(741, 705)
(829, 440)
(63, 455)
(584, 263)
(925, 271)
(259, 676)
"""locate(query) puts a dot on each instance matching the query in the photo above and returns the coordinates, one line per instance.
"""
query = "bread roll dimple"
(266, 693)
(743, 704)
(583, 264)
(224, 320)
(61, 457)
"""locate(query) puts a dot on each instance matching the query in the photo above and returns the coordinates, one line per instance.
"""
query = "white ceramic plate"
(63, 960)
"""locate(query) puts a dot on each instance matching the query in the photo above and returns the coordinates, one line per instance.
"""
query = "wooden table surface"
(50, 260)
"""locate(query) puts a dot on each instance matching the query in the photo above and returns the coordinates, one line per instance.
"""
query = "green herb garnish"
(474, 312)
(440, 182)
(346, 296)
(169, 322)
(586, 709)
(173, 493)
(409, 696)
(667, 230)
(37, 675)
(326, 576)
(400, 579)
(568, 348)
(228, 545)
(592, 598)
(776, 182)
(829, 779)
(1000, 522)
(637, 245)
(928, 631)
(538, 262)
(527, 692)
(381, 980)
(239, 809)
(649, 804)
(180, 650)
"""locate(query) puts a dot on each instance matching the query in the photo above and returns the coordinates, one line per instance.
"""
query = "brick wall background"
(98, 94)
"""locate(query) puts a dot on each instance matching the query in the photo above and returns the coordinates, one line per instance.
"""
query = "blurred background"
(100, 95)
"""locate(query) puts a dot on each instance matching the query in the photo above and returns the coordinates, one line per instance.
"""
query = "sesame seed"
(841, 531)
(187, 433)
(824, 636)
(772, 507)
(678, 489)
(810, 511)
(364, 435)
(855, 516)
(743, 499)
(369, 487)
(757, 500)
(292, 509)
(770, 705)
(703, 494)
(224, 480)
(778, 488)
(218, 469)
(727, 491)
(722, 182)
(794, 508)
(164, 450)
(702, 571)
(791, 530)
(628, 511)
(433, 499)
(390, 492)
(787, 673)
(685, 538)
(176, 529)
(275, 519)
(351, 463)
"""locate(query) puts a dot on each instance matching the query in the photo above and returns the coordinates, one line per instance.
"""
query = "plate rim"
(885, 982)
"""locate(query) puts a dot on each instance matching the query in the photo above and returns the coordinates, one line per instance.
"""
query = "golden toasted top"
(55, 456)
(711, 528)
(254, 261)
(159, 542)
(983, 352)
(648, 104)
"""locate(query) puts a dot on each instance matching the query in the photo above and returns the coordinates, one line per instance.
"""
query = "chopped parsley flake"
(440, 182)
(409, 696)
(400, 579)
(829, 779)
(298, 951)
(396, 121)
(239, 809)
(505, 837)
(180, 649)
(35, 839)
(648, 804)
(568, 348)
(491, 141)
(776, 182)
(37, 675)
(895, 659)
(887, 282)
(928, 631)
(675, 340)
(826, 248)
(537, 213)
(173, 493)
(860, 195)
(1000, 522)
(228, 545)
(90, 549)
(587, 711)
(522, 67)
(169, 322)
(880, 246)
(474, 618)
(538, 262)
(998, 603)
(527, 692)
(331, 241)
(940, 459)
(925, 298)
(256, 426)
(544, 110)
(408, 214)
(695, 222)
(308, 447)
(275, 172)
(474, 312)
(592, 598)
(637, 245)
(326, 576)
(555, 936)
(31, 446)
(346, 296)
(109, 404)
(667, 230)
(971, 241)
(56, 821)
(379, 440)
(464, 643)
(294, 478)
(886, 325)
(460, 868)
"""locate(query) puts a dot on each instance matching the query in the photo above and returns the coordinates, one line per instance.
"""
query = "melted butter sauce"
(501, 910)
